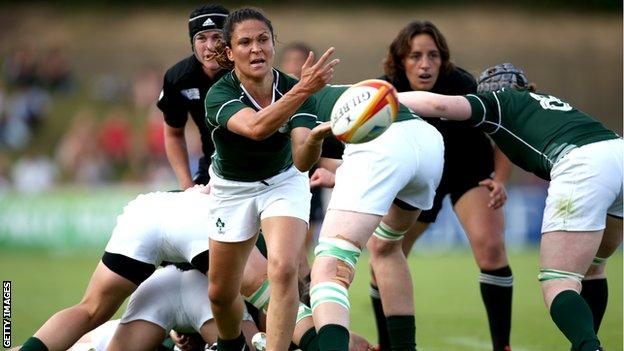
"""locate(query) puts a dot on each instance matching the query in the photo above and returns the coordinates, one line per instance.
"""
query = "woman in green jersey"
(265, 138)
(582, 159)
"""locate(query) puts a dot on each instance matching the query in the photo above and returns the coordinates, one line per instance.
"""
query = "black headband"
(204, 22)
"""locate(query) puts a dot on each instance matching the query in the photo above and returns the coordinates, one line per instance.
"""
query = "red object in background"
(114, 138)
(155, 137)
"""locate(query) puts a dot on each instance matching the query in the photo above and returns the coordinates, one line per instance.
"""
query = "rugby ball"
(364, 111)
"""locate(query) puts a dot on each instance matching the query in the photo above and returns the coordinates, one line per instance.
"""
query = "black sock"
(236, 344)
(402, 333)
(496, 292)
(596, 294)
(573, 317)
(309, 341)
(333, 337)
(380, 319)
(34, 344)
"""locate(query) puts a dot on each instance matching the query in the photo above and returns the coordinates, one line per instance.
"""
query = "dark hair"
(401, 47)
(236, 17)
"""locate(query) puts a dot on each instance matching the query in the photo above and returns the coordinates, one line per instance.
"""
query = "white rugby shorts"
(405, 162)
(172, 299)
(585, 186)
(237, 208)
(162, 226)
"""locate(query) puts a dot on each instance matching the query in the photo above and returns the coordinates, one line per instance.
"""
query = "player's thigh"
(226, 266)
(484, 227)
(107, 290)
(137, 335)
(570, 252)
(355, 227)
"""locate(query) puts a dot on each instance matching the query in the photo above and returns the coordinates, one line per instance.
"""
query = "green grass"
(449, 312)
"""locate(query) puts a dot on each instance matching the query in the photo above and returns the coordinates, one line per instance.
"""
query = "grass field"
(449, 312)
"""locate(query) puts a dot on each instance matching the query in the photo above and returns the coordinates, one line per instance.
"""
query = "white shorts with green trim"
(172, 299)
(405, 162)
(585, 186)
(236, 208)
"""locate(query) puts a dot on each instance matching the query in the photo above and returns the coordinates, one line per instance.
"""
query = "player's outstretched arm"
(428, 104)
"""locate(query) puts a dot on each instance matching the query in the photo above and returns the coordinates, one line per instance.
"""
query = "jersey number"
(549, 102)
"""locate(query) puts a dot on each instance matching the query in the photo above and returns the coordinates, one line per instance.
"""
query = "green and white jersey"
(534, 130)
(237, 157)
(327, 97)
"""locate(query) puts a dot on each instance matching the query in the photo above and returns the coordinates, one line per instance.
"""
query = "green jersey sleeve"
(222, 102)
(305, 115)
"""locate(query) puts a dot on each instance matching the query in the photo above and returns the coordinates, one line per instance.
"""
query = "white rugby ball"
(364, 111)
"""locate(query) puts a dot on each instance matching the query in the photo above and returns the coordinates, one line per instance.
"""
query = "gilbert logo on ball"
(364, 111)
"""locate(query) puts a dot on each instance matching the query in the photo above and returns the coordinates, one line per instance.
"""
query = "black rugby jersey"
(184, 89)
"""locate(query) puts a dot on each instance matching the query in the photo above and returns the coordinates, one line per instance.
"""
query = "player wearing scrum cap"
(582, 159)
(184, 89)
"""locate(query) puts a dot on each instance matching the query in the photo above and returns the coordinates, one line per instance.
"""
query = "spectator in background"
(20, 68)
(78, 156)
(292, 58)
(115, 140)
(34, 172)
(184, 89)
(55, 74)
(146, 87)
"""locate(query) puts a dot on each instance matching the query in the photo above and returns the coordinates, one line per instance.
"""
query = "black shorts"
(468, 159)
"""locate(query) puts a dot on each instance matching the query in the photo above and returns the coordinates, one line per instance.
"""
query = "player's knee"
(596, 269)
(219, 296)
(346, 254)
(96, 313)
(282, 271)
(380, 248)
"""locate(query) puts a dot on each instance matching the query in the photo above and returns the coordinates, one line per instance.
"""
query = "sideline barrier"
(75, 219)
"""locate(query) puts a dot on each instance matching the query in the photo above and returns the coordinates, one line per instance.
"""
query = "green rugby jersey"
(237, 157)
(327, 97)
(534, 130)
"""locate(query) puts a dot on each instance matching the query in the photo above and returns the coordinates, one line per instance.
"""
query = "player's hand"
(199, 188)
(322, 178)
(183, 341)
(314, 76)
(318, 134)
(498, 194)
(358, 343)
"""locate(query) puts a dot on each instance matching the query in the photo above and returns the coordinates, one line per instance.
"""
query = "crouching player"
(154, 227)
(582, 159)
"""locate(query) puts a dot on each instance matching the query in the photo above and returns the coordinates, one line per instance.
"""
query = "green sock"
(309, 341)
(574, 318)
(236, 344)
(402, 332)
(34, 344)
(333, 337)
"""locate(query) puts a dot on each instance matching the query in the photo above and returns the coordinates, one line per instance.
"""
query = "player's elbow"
(258, 133)
(302, 165)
